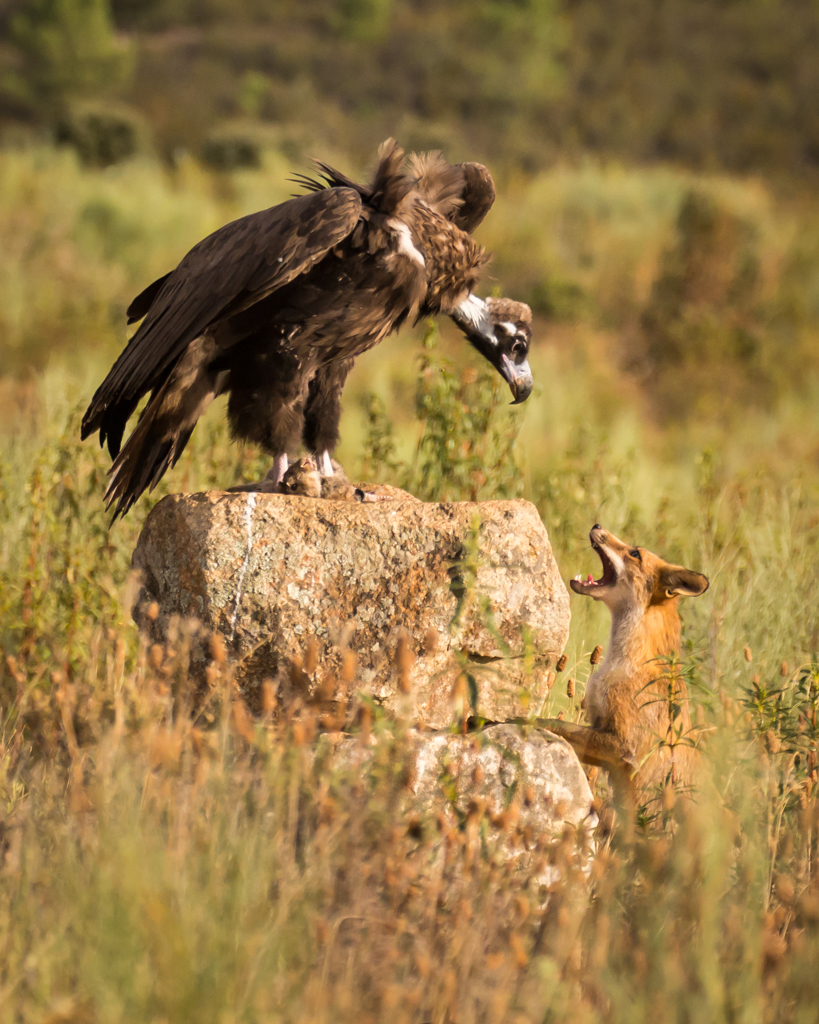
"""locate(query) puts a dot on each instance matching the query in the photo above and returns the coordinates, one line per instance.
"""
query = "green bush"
(101, 134)
(66, 50)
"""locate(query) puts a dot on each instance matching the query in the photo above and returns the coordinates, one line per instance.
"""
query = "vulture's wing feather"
(236, 266)
(143, 302)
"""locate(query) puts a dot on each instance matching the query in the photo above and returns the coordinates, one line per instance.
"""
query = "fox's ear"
(679, 582)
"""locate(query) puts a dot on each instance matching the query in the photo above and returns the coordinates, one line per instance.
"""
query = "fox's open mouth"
(608, 579)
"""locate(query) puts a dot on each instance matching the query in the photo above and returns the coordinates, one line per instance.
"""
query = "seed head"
(596, 655)
(562, 661)
(311, 656)
(748, 656)
(327, 686)
(348, 667)
(460, 692)
(269, 700)
(298, 678)
(404, 660)
(218, 649)
(242, 722)
(783, 669)
(772, 742)
(431, 638)
(365, 721)
(570, 688)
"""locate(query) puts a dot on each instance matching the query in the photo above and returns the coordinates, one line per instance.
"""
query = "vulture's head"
(501, 330)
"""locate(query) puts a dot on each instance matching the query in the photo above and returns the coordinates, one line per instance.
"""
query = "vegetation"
(160, 863)
(728, 84)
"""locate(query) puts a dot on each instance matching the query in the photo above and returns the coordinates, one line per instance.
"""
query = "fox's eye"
(635, 553)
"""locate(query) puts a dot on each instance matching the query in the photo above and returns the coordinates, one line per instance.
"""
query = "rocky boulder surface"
(285, 578)
(526, 781)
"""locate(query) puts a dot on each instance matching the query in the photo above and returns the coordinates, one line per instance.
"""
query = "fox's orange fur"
(631, 730)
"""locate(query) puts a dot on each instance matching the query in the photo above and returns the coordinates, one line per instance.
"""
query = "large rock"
(274, 573)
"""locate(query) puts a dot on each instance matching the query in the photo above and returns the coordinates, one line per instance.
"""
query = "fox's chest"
(610, 685)
(595, 701)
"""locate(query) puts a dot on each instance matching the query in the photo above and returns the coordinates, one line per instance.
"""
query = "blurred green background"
(728, 84)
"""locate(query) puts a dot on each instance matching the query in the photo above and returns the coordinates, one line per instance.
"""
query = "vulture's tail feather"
(164, 428)
(390, 184)
(148, 453)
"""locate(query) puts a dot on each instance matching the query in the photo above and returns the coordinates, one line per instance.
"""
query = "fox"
(626, 700)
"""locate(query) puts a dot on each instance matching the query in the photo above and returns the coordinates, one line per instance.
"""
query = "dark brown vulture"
(273, 309)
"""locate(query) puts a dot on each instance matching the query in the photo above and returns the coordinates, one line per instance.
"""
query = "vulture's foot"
(327, 465)
(272, 483)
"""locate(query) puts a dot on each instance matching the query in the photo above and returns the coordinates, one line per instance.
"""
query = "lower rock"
(526, 782)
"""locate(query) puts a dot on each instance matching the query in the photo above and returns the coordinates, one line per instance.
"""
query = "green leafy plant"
(467, 446)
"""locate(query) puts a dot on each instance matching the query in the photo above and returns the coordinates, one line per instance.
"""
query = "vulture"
(273, 309)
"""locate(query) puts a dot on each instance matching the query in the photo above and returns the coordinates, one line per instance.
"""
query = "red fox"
(627, 701)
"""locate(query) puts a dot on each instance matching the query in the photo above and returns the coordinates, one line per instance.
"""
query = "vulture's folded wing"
(236, 266)
(477, 197)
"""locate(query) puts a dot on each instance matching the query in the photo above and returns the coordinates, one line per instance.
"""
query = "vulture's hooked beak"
(519, 378)
(498, 329)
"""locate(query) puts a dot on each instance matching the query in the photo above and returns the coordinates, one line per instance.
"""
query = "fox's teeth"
(578, 578)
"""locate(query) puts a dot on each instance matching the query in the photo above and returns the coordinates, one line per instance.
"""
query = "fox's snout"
(632, 574)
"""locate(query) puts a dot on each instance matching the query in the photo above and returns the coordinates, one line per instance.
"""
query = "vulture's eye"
(519, 346)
